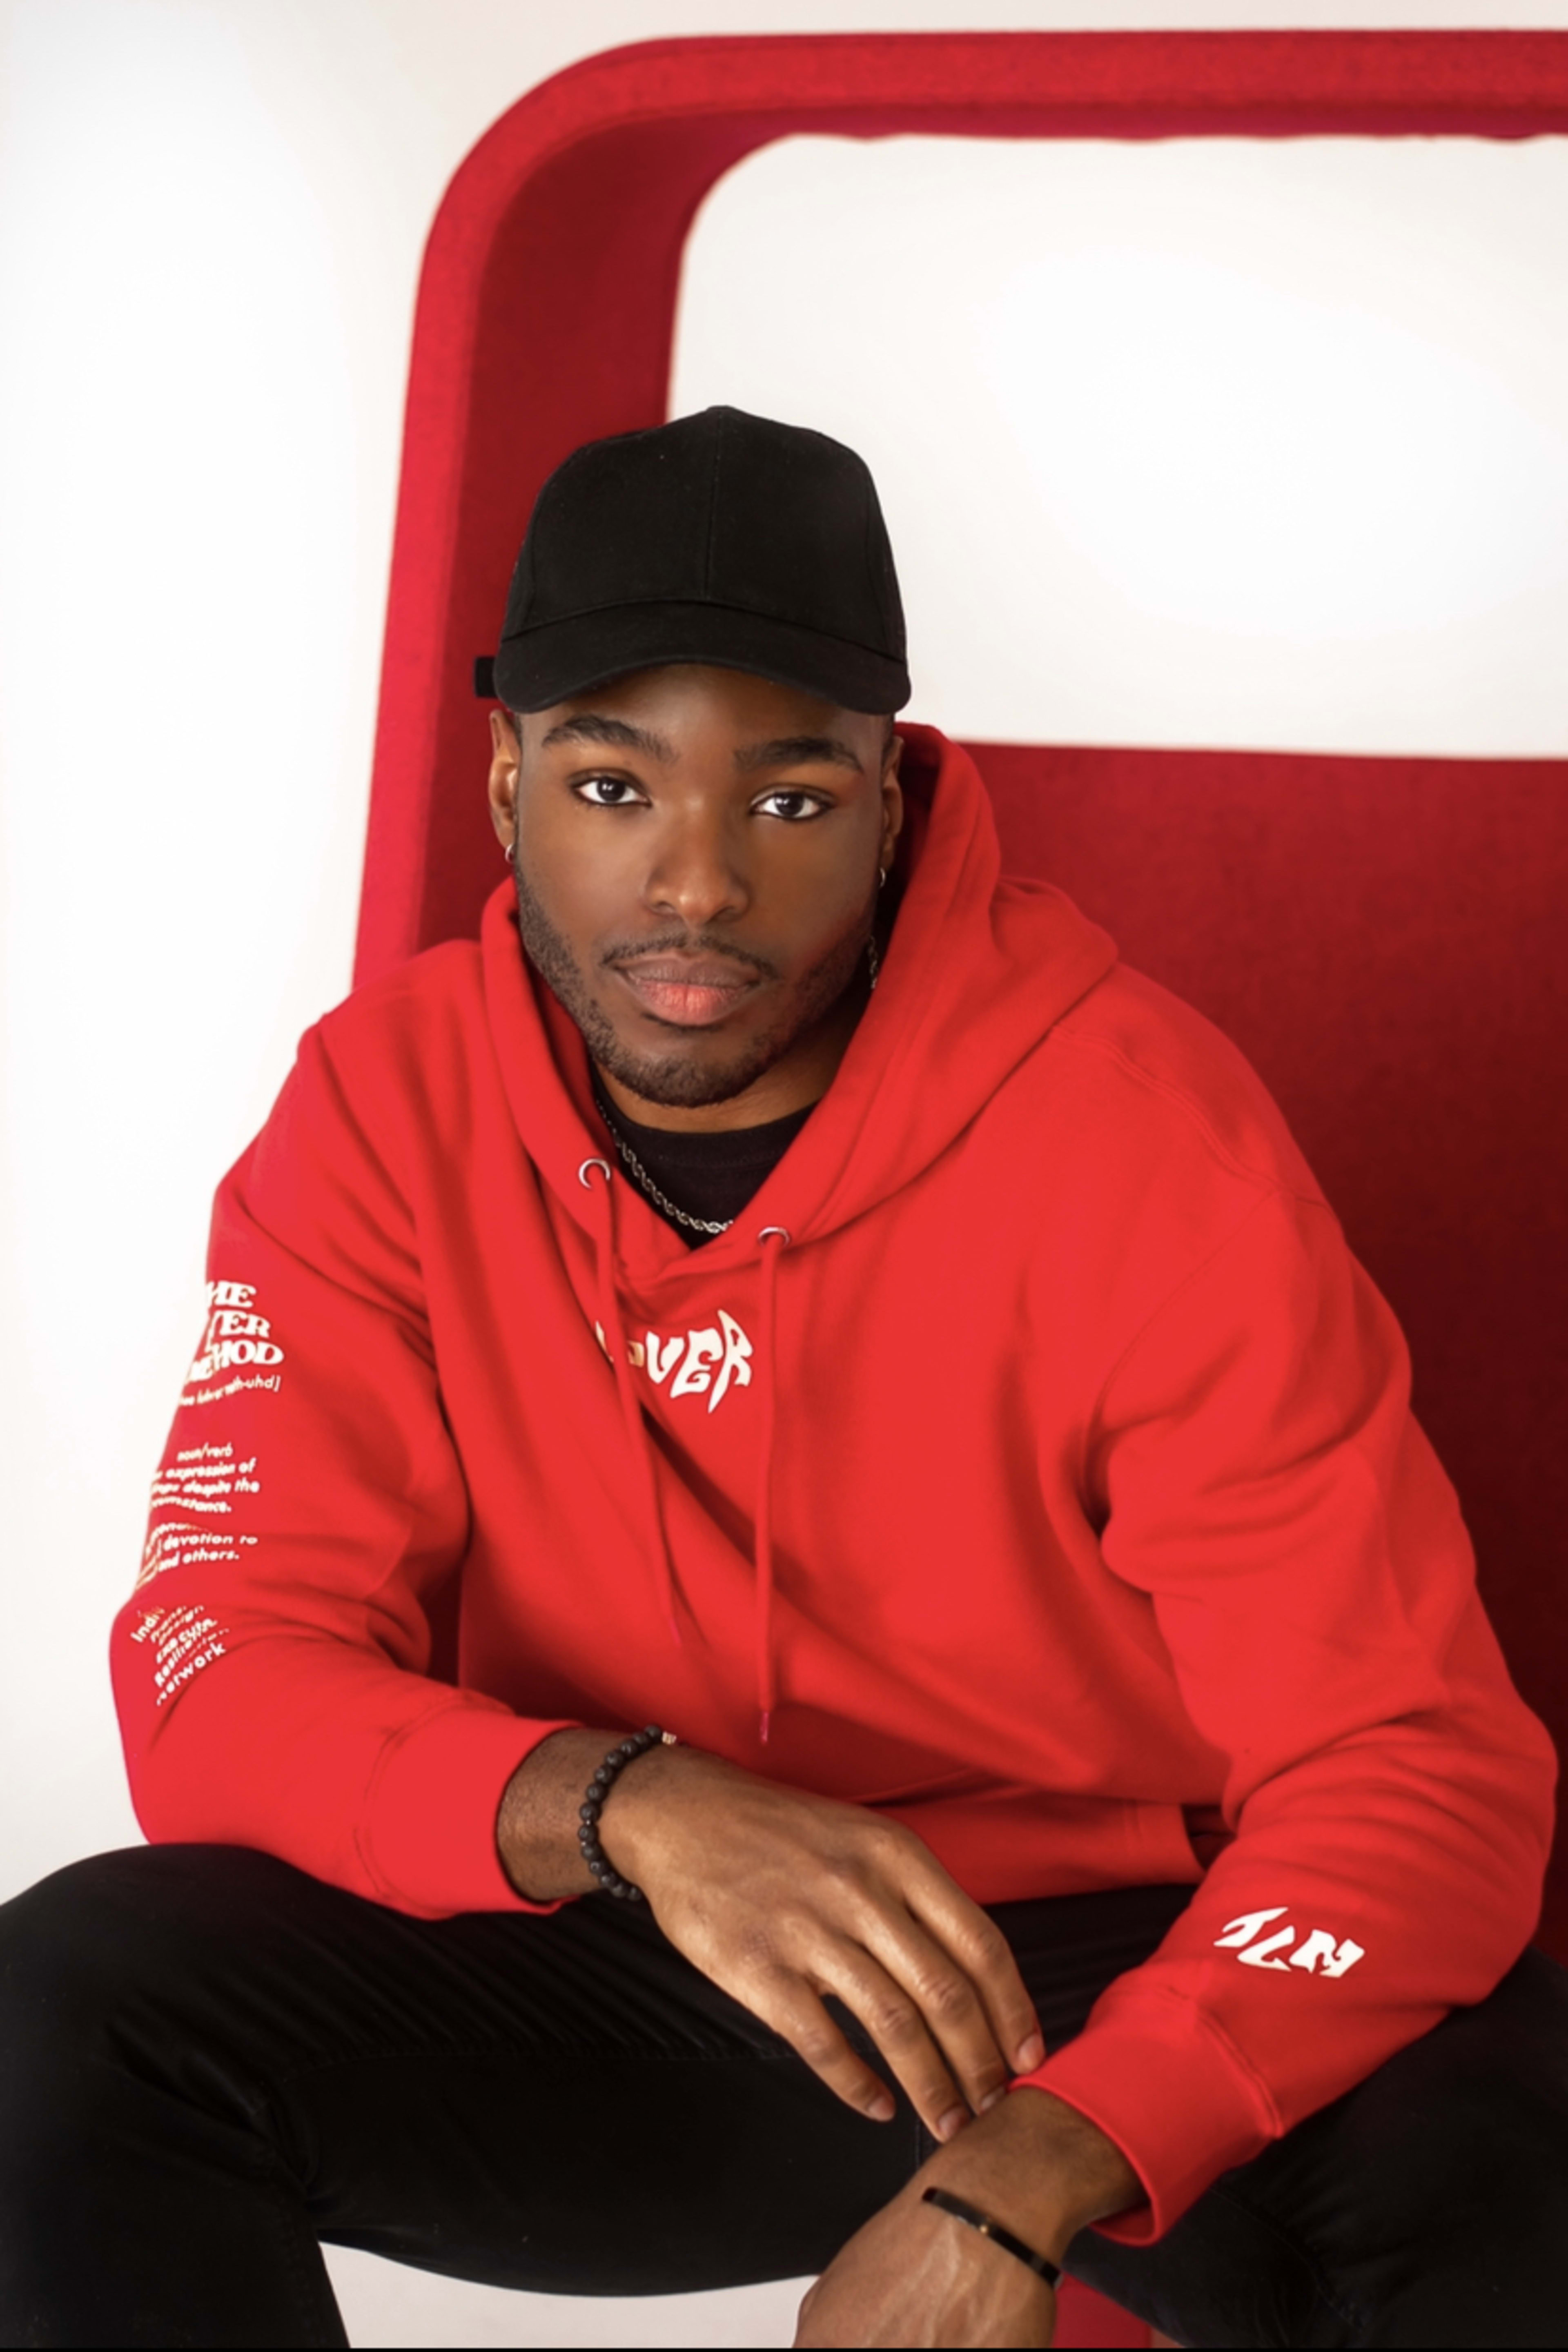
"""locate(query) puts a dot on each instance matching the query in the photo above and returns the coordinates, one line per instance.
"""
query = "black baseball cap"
(721, 538)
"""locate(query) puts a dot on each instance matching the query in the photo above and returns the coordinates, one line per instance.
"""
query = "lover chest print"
(707, 1362)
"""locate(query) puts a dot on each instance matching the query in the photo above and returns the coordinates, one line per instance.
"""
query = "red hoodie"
(1031, 1460)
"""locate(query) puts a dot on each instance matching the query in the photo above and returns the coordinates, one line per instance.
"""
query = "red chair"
(1382, 937)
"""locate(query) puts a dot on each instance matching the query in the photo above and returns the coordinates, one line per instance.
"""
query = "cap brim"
(564, 658)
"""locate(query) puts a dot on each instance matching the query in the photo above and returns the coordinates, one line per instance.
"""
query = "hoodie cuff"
(427, 1837)
(1173, 2091)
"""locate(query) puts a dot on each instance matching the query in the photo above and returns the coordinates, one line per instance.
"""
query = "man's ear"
(892, 797)
(506, 761)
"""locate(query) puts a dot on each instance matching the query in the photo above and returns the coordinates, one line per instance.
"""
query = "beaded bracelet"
(963, 2210)
(594, 1796)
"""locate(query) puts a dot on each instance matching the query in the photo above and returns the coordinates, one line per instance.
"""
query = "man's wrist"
(636, 1815)
(536, 1824)
(541, 1813)
(1041, 2168)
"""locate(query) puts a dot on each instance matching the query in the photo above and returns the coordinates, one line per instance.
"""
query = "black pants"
(210, 2062)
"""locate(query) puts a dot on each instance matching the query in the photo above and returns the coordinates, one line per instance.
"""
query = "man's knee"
(1490, 2179)
(92, 1959)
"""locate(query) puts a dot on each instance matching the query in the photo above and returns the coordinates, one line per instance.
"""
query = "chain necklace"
(644, 1181)
(646, 1184)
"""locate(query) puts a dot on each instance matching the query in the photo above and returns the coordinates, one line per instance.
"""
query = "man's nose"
(697, 875)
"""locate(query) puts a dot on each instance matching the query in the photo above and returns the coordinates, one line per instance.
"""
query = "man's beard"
(667, 1078)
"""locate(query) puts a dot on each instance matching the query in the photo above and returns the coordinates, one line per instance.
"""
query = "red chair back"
(1382, 937)
(1386, 940)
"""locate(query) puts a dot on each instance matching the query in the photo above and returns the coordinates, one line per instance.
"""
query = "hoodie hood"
(977, 972)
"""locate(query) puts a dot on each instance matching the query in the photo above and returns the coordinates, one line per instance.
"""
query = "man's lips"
(693, 992)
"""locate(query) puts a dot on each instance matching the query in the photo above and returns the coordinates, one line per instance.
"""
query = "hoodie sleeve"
(1388, 1794)
(272, 1668)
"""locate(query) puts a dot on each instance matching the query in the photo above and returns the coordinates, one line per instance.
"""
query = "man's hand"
(782, 1898)
(916, 2275)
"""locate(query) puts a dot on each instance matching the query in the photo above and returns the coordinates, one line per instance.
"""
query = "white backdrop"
(210, 217)
(1253, 444)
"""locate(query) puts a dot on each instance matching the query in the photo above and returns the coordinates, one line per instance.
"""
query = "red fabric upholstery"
(1084, 2319)
(1384, 939)
(1380, 936)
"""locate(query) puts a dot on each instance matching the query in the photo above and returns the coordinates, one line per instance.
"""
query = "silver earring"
(511, 853)
(882, 877)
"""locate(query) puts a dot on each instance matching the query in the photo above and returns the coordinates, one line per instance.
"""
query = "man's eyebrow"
(797, 751)
(589, 727)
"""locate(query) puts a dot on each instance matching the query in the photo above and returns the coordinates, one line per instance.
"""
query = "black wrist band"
(594, 1796)
(963, 2210)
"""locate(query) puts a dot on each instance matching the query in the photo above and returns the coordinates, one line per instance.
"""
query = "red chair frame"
(547, 301)
(545, 316)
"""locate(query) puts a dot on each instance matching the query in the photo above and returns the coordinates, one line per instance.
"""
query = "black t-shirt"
(710, 1176)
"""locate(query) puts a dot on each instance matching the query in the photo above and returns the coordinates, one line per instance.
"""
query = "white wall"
(211, 215)
(1250, 444)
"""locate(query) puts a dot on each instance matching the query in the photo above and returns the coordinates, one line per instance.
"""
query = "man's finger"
(949, 2001)
(796, 2014)
(982, 1951)
(892, 2017)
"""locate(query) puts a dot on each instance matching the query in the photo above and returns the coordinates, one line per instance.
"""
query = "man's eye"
(606, 791)
(795, 807)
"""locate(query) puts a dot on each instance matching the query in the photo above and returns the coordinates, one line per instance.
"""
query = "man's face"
(697, 868)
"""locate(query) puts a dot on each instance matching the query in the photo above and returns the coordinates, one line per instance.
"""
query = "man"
(790, 1289)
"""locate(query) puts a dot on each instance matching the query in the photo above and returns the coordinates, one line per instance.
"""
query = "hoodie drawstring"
(774, 1241)
(613, 1339)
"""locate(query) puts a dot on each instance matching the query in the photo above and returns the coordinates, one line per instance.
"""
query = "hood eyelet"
(770, 1233)
(602, 1165)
